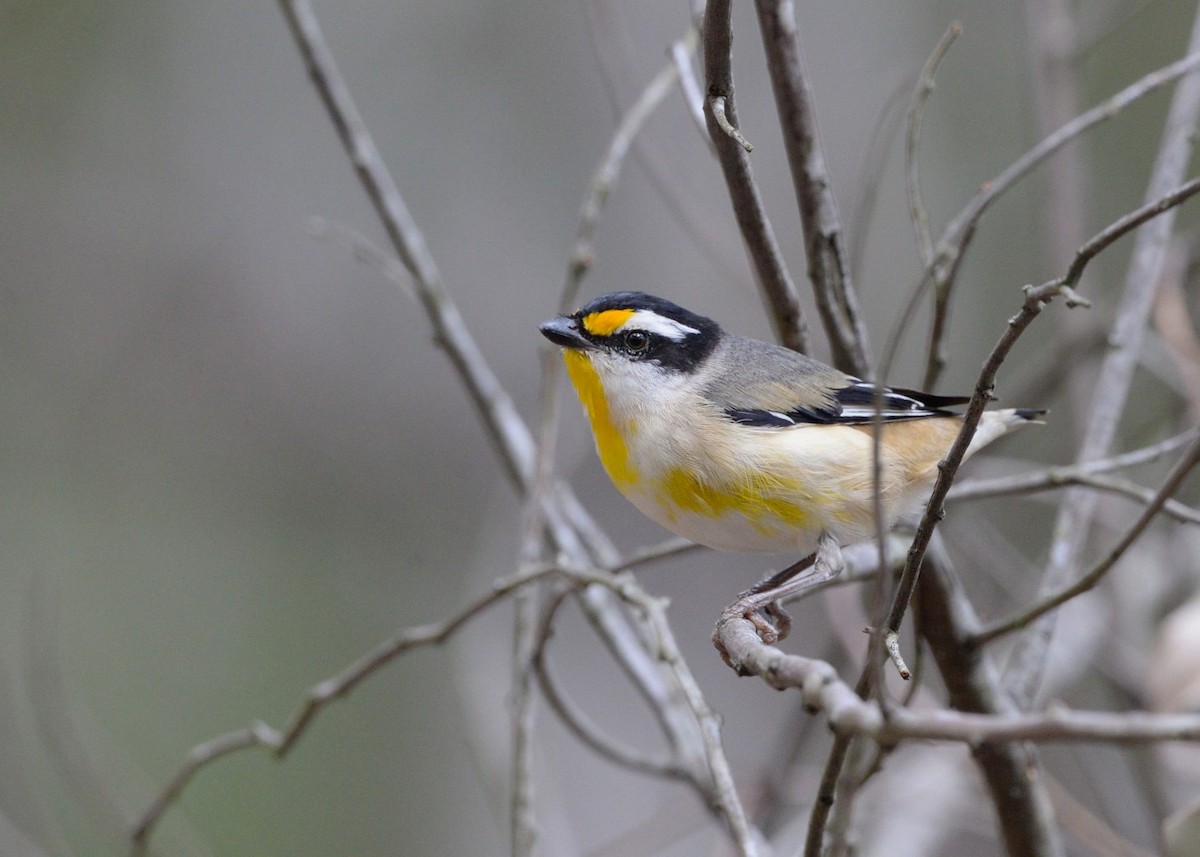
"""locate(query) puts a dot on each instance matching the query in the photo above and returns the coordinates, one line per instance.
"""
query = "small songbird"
(742, 445)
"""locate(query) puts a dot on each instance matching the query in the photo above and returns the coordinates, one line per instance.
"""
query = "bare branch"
(724, 795)
(912, 142)
(1035, 301)
(1126, 224)
(500, 418)
(718, 111)
(1051, 477)
(681, 56)
(772, 274)
(1023, 619)
(1073, 524)
(200, 756)
(605, 176)
(338, 686)
(868, 176)
(823, 690)
(578, 722)
(953, 240)
(653, 553)
(523, 828)
(1011, 771)
(956, 237)
(837, 299)
(1121, 487)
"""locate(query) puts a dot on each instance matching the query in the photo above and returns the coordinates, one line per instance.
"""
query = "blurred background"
(234, 460)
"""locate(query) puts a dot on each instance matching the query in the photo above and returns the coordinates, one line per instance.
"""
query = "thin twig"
(1044, 605)
(523, 829)
(912, 142)
(257, 735)
(612, 43)
(1168, 200)
(653, 553)
(717, 105)
(527, 639)
(338, 686)
(1051, 477)
(364, 250)
(772, 274)
(1121, 487)
(836, 297)
(566, 518)
(693, 97)
(678, 723)
(868, 176)
(500, 418)
(1052, 40)
(604, 178)
(936, 357)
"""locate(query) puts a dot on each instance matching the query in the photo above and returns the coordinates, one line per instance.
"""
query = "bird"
(746, 446)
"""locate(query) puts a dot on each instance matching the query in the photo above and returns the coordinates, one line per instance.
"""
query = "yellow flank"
(755, 499)
(610, 443)
(604, 323)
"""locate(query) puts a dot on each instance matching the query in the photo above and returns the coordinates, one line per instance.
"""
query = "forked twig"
(1087, 581)
(828, 272)
(1112, 385)
(941, 275)
(1036, 299)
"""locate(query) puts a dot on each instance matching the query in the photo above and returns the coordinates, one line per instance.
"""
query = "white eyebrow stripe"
(651, 322)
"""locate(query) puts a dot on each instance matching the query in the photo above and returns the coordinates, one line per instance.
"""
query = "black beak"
(563, 330)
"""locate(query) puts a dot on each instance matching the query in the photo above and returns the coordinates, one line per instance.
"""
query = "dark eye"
(637, 340)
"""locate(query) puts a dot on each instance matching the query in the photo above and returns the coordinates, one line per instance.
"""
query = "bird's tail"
(1000, 422)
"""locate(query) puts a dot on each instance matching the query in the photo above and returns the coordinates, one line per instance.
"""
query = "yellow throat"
(610, 442)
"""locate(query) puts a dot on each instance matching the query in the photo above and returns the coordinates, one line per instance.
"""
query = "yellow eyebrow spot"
(604, 323)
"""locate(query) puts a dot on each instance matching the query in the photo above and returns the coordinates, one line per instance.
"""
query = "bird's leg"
(767, 596)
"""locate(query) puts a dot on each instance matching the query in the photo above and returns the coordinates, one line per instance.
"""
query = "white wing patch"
(652, 322)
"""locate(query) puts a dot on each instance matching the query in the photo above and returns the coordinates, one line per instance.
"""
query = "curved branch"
(280, 741)
(578, 723)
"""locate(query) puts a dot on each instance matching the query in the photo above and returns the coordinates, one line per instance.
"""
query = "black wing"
(853, 404)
